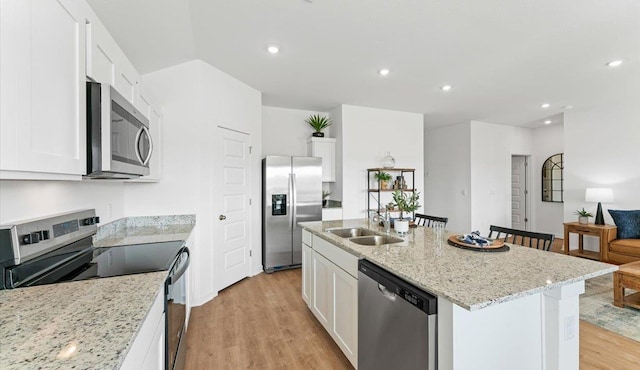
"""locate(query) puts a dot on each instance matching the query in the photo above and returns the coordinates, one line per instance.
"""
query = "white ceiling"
(503, 57)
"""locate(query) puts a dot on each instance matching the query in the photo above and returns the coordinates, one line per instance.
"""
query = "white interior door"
(519, 192)
(232, 196)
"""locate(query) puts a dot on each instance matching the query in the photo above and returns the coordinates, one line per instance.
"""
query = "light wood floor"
(263, 323)
(260, 323)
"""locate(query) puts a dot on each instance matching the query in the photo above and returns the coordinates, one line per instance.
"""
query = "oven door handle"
(178, 274)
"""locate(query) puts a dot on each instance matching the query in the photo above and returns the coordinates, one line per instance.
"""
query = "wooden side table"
(628, 276)
(604, 232)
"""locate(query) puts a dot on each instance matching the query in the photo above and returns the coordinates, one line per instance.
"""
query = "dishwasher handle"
(386, 293)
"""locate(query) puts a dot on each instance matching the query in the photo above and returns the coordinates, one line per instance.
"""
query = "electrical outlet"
(569, 327)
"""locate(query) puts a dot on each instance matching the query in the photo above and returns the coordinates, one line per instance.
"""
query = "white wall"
(548, 216)
(468, 173)
(196, 98)
(20, 200)
(367, 134)
(447, 174)
(284, 131)
(602, 149)
(335, 130)
(491, 149)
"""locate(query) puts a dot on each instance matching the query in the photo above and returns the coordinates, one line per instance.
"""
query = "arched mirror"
(552, 179)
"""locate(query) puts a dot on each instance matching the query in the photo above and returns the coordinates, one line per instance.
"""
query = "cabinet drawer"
(630, 282)
(341, 258)
(584, 230)
(307, 238)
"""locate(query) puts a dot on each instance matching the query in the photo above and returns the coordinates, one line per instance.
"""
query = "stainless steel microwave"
(119, 144)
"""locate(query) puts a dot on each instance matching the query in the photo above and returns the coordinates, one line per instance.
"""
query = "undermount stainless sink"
(351, 232)
(376, 240)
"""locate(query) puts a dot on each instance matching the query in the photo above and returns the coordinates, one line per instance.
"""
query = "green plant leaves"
(318, 122)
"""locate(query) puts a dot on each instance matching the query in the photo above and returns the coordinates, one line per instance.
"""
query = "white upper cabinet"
(143, 104)
(42, 95)
(107, 63)
(48, 48)
(324, 148)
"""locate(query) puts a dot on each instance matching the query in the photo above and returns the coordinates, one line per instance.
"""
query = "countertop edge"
(339, 242)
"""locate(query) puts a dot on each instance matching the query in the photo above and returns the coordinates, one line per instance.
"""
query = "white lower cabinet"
(306, 274)
(155, 356)
(344, 297)
(321, 296)
(334, 293)
(147, 349)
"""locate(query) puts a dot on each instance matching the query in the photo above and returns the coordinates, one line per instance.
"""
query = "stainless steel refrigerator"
(291, 193)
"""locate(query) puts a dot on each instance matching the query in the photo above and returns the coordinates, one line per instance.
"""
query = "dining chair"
(430, 221)
(521, 237)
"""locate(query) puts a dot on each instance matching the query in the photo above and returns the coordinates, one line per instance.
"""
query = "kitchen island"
(501, 310)
(105, 323)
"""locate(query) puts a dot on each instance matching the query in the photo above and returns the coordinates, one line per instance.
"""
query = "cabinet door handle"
(222, 217)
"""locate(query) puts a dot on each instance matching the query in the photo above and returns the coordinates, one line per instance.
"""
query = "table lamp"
(598, 195)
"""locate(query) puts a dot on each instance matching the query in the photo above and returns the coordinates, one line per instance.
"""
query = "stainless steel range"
(59, 248)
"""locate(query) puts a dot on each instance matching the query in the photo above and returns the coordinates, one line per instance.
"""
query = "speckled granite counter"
(100, 317)
(148, 229)
(472, 280)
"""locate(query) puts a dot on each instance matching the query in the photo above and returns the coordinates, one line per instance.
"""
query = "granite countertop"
(472, 280)
(87, 324)
(146, 229)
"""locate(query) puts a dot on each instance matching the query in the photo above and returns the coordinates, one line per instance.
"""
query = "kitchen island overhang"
(516, 309)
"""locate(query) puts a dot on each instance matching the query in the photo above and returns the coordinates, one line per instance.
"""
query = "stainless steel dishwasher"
(397, 324)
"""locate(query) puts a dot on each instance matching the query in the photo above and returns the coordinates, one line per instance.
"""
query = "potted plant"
(405, 202)
(583, 216)
(325, 195)
(318, 123)
(383, 178)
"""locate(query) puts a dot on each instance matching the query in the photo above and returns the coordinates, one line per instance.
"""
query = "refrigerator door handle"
(294, 202)
(290, 201)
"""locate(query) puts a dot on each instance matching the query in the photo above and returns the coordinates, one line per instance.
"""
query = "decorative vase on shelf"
(388, 161)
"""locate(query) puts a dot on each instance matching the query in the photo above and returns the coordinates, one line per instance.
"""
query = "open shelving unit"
(375, 203)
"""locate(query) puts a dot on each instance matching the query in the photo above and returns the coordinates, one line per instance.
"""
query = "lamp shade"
(596, 195)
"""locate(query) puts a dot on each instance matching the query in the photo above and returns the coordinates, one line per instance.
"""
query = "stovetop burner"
(131, 259)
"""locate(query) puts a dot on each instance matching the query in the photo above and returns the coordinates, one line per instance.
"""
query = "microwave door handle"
(148, 158)
(137, 144)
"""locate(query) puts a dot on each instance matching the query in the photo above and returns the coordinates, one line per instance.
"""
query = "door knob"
(222, 217)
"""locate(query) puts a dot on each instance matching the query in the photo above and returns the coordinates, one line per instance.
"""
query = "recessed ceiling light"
(545, 105)
(614, 63)
(547, 122)
(383, 72)
(446, 88)
(568, 107)
(273, 49)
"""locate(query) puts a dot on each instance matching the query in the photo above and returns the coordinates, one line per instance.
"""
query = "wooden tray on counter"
(496, 246)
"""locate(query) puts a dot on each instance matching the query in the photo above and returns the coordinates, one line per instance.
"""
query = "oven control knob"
(90, 221)
(43, 234)
(32, 238)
